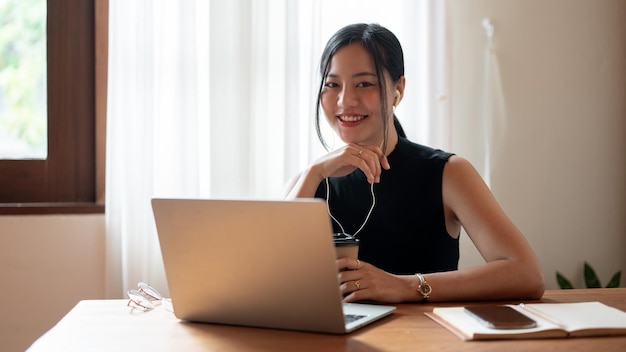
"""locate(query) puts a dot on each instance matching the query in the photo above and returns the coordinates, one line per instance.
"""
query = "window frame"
(71, 179)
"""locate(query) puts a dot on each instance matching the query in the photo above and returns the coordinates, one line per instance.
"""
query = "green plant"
(591, 279)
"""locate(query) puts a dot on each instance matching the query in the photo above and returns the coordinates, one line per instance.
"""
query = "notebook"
(258, 263)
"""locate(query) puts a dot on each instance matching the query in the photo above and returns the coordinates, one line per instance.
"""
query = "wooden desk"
(109, 325)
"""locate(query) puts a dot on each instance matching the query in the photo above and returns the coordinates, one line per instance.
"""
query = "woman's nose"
(347, 97)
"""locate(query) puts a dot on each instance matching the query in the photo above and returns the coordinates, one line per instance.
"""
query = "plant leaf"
(563, 282)
(614, 280)
(591, 279)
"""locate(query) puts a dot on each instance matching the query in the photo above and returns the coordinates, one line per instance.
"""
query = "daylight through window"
(23, 91)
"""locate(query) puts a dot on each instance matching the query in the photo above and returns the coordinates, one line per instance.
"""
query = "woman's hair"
(387, 55)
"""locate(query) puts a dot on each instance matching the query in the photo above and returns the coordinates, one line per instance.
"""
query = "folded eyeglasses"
(144, 297)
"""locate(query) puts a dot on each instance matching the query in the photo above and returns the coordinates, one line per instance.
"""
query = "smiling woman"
(214, 99)
(409, 243)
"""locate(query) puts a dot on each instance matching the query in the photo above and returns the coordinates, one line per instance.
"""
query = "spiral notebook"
(268, 264)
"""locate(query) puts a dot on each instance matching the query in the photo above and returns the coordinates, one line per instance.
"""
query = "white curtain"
(215, 99)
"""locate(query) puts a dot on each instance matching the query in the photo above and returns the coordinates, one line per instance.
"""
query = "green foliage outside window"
(23, 77)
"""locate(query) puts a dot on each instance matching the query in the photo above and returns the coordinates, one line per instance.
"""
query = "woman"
(406, 203)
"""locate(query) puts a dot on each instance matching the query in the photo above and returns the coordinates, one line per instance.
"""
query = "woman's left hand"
(361, 281)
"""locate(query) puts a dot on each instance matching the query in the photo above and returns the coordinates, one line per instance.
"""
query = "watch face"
(426, 289)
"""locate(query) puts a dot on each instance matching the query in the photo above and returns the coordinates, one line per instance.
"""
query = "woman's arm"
(512, 270)
(341, 162)
(303, 185)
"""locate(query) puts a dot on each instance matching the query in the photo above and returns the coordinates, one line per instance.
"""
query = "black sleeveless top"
(406, 232)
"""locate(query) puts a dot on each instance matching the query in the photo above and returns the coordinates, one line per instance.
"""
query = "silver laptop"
(267, 264)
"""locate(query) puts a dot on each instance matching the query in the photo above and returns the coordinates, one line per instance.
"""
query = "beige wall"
(561, 173)
(47, 264)
(560, 168)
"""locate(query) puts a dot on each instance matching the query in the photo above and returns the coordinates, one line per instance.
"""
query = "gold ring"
(358, 264)
(360, 152)
(357, 283)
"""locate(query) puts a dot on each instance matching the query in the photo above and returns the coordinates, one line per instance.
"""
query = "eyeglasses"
(144, 297)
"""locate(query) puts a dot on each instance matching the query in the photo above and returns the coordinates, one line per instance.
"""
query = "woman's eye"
(331, 85)
(365, 84)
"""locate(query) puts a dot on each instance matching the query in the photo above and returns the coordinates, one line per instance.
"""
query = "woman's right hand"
(343, 161)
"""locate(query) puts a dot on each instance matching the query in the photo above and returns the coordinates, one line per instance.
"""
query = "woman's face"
(351, 98)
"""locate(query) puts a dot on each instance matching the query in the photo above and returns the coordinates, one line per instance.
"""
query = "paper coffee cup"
(346, 245)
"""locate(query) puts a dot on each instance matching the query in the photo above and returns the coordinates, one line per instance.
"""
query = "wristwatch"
(423, 288)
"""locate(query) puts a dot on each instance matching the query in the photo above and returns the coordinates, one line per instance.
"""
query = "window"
(70, 178)
(23, 95)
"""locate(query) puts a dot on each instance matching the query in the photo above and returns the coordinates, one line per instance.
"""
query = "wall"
(559, 163)
(47, 264)
(560, 169)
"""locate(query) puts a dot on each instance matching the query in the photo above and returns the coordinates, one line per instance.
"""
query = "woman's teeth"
(351, 118)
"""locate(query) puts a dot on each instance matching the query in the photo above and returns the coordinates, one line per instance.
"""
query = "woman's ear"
(399, 91)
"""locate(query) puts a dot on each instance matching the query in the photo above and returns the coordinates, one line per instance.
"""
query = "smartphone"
(501, 317)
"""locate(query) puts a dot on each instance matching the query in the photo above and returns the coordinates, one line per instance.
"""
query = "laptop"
(258, 263)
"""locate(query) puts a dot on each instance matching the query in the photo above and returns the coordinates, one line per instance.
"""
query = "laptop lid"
(254, 263)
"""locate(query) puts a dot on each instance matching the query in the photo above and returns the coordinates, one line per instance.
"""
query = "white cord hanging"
(493, 104)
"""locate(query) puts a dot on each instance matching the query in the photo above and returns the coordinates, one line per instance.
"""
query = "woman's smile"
(351, 118)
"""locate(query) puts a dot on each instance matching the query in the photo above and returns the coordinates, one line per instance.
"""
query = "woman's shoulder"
(408, 148)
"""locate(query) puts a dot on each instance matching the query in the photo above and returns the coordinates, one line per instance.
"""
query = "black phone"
(501, 317)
